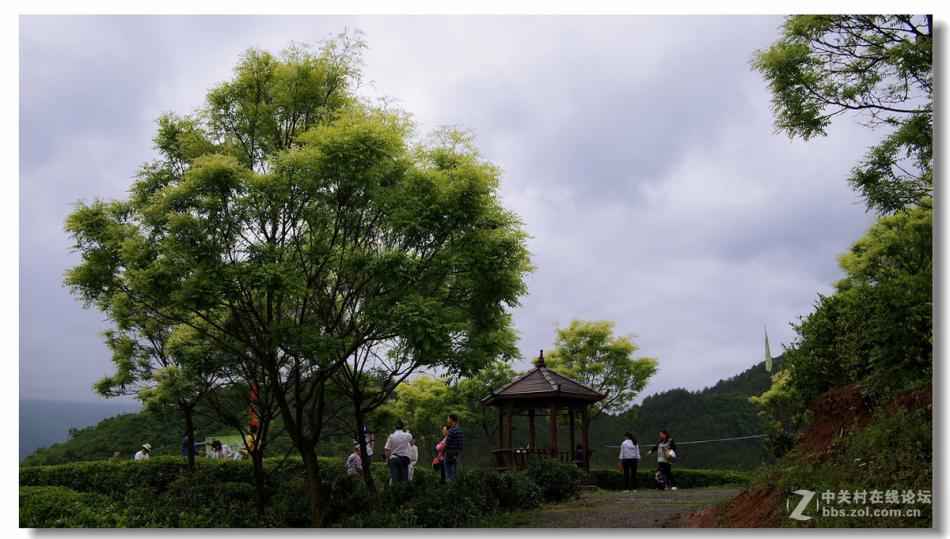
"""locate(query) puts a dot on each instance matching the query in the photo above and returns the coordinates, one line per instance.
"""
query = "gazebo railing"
(519, 458)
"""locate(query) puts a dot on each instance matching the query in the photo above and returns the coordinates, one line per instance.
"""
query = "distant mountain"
(720, 411)
(43, 423)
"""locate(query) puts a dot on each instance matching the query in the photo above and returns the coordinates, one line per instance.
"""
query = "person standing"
(116, 455)
(438, 462)
(630, 459)
(453, 447)
(665, 456)
(370, 439)
(144, 452)
(413, 456)
(194, 438)
(397, 453)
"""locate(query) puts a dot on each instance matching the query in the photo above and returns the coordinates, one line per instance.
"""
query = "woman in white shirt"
(630, 459)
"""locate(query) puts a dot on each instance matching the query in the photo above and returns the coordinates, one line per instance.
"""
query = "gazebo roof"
(543, 384)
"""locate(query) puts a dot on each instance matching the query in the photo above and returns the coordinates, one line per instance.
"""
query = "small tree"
(590, 353)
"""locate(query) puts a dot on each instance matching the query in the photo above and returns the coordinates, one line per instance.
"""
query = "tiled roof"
(543, 383)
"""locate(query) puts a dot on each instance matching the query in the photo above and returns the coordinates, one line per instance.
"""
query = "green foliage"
(879, 67)
(289, 226)
(163, 429)
(720, 410)
(59, 507)
(423, 405)
(589, 352)
(892, 452)
(876, 330)
(612, 479)
(558, 481)
(782, 408)
(471, 390)
(161, 492)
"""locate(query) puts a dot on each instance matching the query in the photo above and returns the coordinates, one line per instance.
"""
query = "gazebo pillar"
(585, 428)
(571, 448)
(501, 428)
(511, 426)
(553, 430)
(531, 444)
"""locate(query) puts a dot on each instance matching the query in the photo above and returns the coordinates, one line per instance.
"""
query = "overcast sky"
(639, 151)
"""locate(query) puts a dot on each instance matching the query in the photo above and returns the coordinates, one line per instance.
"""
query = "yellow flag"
(768, 353)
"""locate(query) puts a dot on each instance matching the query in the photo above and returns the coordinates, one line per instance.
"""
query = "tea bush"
(162, 492)
(685, 478)
(558, 481)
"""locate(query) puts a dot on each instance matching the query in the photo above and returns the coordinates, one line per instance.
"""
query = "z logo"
(797, 514)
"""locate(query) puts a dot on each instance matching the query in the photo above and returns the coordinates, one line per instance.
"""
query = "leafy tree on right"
(876, 67)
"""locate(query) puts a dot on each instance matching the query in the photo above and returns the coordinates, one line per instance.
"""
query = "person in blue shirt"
(453, 447)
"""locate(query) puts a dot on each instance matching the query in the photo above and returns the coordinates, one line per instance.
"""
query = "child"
(578, 456)
(659, 480)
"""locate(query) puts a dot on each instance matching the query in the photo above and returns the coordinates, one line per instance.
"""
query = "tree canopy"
(589, 352)
(291, 225)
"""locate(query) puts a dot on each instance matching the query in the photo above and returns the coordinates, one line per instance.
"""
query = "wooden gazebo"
(552, 394)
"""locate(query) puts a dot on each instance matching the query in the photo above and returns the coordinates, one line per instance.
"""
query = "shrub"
(162, 492)
(558, 481)
(516, 491)
(59, 507)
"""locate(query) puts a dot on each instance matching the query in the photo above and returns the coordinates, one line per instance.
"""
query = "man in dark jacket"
(453, 447)
(194, 448)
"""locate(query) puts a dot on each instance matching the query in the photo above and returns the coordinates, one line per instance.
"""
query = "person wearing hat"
(143, 453)
(398, 452)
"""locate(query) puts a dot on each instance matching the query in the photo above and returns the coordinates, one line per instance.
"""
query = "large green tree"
(591, 353)
(291, 225)
(878, 68)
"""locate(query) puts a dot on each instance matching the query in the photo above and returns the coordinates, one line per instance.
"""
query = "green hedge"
(685, 478)
(161, 492)
(59, 507)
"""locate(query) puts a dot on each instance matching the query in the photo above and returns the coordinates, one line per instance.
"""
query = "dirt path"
(642, 509)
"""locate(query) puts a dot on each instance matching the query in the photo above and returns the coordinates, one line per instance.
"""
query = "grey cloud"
(638, 150)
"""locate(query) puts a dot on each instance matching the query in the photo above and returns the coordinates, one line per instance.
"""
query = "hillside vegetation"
(852, 411)
(720, 411)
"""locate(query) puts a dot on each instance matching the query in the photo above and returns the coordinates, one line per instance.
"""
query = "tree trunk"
(259, 491)
(314, 494)
(190, 430)
(367, 460)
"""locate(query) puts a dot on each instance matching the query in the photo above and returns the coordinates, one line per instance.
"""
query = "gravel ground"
(642, 509)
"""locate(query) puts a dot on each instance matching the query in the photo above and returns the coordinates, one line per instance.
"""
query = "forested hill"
(720, 411)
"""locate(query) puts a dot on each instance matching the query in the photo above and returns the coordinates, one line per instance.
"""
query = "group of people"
(215, 450)
(401, 452)
(665, 450)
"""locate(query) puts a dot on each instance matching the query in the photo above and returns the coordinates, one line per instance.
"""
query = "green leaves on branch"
(876, 67)
(876, 331)
(589, 352)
